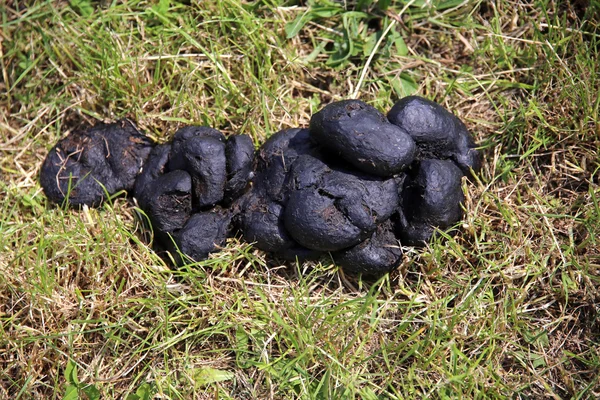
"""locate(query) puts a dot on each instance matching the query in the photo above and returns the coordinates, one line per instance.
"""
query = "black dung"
(89, 164)
(373, 257)
(437, 132)
(363, 137)
(204, 233)
(431, 199)
(355, 184)
(239, 153)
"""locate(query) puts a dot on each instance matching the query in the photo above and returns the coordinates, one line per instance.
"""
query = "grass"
(509, 308)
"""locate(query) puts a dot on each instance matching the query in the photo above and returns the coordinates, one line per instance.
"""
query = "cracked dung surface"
(89, 164)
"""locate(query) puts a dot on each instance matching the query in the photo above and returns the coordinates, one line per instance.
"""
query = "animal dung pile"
(356, 184)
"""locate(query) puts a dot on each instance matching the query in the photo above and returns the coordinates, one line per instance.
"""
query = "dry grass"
(509, 308)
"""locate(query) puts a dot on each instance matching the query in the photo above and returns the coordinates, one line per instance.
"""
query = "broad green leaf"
(315, 103)
(538, 361)
(404, 85)
(401, 47)
(144, 392)
(539, 338)
(206, 376)
(370, 44)
(71, 393)
(408, 84)
(91, 392)
(71, 373)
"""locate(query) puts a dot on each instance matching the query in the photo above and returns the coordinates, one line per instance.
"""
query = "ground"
(508, 308)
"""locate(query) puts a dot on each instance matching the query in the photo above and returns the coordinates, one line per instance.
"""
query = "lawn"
(508, 308)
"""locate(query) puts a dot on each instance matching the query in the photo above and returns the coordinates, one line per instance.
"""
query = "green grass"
(509, 308)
